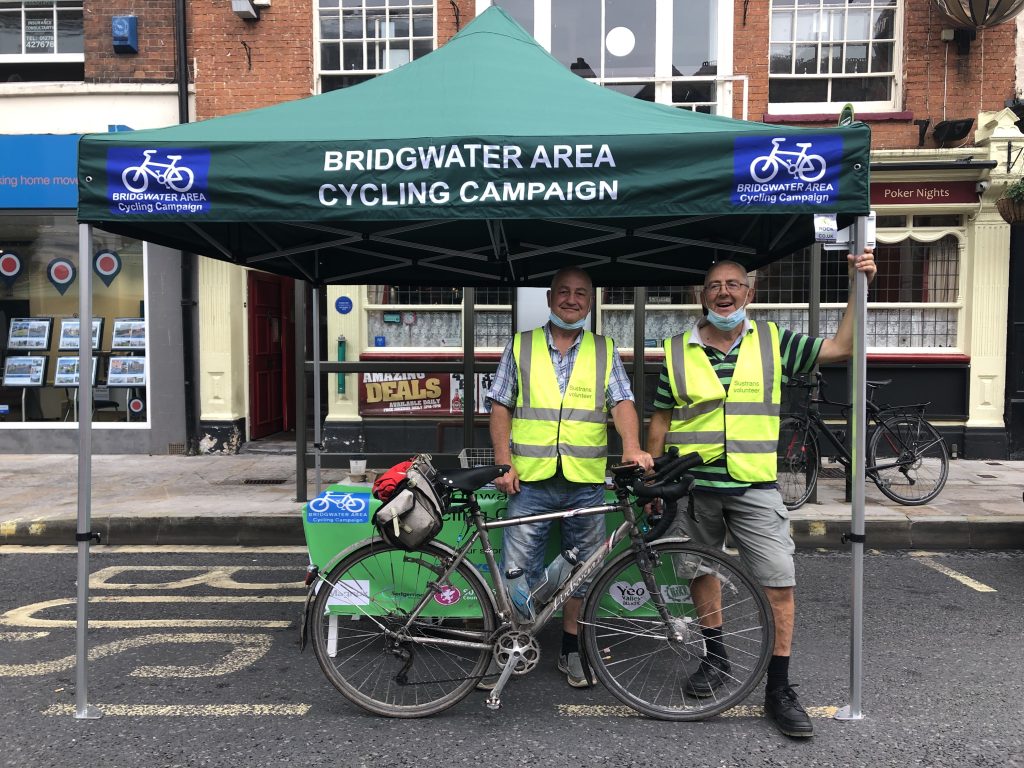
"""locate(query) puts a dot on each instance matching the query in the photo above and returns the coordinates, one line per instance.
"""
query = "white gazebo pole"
(317, 426)
(84, 536)
(858, 372)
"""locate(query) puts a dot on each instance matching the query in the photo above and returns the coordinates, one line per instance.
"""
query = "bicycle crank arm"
(494, 699)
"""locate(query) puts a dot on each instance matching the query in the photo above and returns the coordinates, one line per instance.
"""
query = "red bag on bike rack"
(384, 487)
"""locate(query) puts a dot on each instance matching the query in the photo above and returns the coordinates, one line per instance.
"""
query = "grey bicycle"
(410, 633)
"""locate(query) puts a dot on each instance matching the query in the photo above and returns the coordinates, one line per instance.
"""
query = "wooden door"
(271, 367)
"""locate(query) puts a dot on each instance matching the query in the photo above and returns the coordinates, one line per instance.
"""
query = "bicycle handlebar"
(666, 482)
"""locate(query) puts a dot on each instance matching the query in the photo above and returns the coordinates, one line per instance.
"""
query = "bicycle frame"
(581, 573)
(877, 416)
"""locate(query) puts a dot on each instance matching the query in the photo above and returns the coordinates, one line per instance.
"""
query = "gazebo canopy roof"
(486, 162)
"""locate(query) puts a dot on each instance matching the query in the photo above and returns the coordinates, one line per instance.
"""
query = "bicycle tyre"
(628, 645)
(798, 462)
(379, 585)
(922, 462)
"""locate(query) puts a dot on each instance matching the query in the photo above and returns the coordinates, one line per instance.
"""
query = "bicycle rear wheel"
(628, 643)
(908, 460)
(370, 594)
(798, 462)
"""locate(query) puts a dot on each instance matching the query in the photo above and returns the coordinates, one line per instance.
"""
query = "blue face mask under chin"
(556, 320)
(729, 322)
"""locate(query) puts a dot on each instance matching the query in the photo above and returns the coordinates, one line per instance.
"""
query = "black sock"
(570, 644)
(778, 673)
(713, 642)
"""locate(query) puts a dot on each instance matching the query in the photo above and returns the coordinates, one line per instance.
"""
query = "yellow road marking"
(17, 637)
(219, 576)
(245, 650)
(816, 528)
(967, 581)
(604, 710)
(188, 710)
(25, 616)
(9, 527)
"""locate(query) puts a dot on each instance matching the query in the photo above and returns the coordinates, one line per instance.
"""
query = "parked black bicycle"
(906, 456)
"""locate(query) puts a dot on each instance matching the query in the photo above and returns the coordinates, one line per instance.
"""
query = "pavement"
(250, 499)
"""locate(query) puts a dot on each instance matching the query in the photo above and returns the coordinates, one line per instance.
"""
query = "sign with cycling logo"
(143, 182)
(339, 507)
(787, 171)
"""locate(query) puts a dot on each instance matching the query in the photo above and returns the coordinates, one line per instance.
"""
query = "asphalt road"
(196, 663)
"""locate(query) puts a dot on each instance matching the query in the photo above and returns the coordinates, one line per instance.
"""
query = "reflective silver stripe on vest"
(696, 438)
(751, 446)
(764, 337)
(525, 361)
(540, 414)
(584, 451)
(601, 353)
(679, 366)
(582, 414)
(752, 409)
(551, 451)
(535, 451)
(685, 413)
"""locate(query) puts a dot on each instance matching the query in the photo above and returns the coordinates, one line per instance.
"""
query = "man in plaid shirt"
(549, 402)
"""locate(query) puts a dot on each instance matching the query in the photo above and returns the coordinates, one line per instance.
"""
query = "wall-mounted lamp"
(245, 9)
(947, 131)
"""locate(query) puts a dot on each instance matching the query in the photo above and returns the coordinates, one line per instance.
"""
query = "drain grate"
(264, 480)
(176, 449)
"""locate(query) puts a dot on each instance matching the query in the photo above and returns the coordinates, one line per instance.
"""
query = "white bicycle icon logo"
(346, 502)
(799, 165)
(177, 177)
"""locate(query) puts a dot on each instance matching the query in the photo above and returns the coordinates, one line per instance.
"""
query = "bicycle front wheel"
(798, 462)
(647, 664)
(907, 459)
(382, 659)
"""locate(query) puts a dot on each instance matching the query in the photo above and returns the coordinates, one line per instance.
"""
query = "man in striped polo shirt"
(719, 395)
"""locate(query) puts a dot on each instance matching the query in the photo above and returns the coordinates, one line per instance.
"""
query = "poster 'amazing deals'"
(427, 394)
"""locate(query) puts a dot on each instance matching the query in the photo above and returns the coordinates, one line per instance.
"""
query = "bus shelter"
(485, 163)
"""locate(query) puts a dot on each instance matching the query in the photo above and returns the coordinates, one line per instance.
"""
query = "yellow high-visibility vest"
(744, 425)
(547, 426)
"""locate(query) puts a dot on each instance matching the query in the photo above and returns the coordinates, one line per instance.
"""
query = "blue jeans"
(526, 545)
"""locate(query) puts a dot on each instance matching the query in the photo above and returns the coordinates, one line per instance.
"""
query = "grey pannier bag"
(414, 514)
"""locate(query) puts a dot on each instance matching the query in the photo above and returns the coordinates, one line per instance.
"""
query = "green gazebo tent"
(485, 163)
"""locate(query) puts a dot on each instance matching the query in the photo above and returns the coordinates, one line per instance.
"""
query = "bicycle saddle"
(880, 383)
(471, 479)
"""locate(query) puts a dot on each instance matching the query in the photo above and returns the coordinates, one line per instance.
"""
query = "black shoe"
(782, 707)
(709, 677)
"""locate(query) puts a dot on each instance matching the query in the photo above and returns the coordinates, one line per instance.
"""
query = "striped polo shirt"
(798, 352)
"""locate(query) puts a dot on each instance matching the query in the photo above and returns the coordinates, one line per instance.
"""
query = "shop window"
(39, 325)
(825, 53)
(41, 40)
(359, 39)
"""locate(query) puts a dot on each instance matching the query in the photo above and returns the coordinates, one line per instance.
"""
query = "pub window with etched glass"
(914, 305)
(417, 317)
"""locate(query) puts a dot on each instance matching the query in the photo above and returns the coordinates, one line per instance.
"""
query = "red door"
(271, 366)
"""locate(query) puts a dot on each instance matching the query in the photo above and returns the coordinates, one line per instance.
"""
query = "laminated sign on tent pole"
(430, 174)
